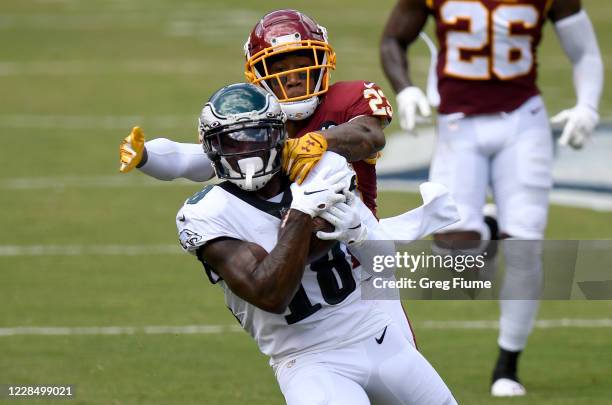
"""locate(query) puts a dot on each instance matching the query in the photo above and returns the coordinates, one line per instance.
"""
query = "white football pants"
(512, 153)
(384, 369)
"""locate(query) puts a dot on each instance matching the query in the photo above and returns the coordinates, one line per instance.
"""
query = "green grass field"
(74, 77)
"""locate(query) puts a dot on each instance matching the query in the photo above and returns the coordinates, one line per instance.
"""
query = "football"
(319, 224)
(319, 247)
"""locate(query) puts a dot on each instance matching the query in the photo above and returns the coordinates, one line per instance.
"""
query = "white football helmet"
(242, 128)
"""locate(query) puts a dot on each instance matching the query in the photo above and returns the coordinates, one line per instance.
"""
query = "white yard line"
(118, 180)
(594, 201)
(70, 68)
(539, 324)
(582, 199)
(111, 122)
(218, 329)
(83, 250)
(120, 330)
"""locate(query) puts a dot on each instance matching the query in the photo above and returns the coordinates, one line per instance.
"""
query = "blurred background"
(94, 288)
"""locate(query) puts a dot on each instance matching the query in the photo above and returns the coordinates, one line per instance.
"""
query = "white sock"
(518, 296)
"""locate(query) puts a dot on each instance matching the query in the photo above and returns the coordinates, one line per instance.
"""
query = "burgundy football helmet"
(281, 32)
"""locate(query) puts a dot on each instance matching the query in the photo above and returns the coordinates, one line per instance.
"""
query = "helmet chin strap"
(296, 110)
(300, 110)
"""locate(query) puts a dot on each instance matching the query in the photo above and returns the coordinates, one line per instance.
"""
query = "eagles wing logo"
(189, 239)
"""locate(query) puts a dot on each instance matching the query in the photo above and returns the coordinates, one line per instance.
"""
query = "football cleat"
(505, 387)
(505, 380)
(489, 211)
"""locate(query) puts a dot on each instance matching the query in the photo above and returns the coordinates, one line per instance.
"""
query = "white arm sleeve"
(578, 40)
(169, 160)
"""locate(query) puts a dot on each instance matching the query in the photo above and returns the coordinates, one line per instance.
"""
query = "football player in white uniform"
(344, 117)
(254, 235)
(493, 128)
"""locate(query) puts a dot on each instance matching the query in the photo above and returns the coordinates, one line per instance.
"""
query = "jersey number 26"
(510, 54)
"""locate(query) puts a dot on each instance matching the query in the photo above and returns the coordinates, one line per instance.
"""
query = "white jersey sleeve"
(579, 42)
(169, 160)
(199, 220)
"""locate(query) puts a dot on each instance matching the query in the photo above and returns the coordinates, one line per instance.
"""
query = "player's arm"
(577, 37)
(268, 281)
(164, 159)
(406, 21)
(358, 139)
(169, 160)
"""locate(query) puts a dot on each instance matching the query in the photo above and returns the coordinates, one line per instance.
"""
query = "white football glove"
(580, 122)
(409, 100)
(316, 196)
(346, 220)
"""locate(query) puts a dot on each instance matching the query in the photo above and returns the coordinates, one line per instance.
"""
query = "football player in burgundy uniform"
(289, 55)
(492, 127)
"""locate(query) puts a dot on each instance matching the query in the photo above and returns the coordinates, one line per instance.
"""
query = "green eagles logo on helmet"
(242, 130)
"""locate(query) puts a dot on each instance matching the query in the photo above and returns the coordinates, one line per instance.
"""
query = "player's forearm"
(168, 160)
(356, 140)
(395, 63)
(579, 42)
(405, 22)
(276, 279)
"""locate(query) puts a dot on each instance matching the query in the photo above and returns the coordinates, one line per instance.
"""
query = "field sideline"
(95, 253)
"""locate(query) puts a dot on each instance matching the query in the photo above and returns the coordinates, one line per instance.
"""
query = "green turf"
(74, 77)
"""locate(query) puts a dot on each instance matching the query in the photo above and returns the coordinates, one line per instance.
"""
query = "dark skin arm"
(357, 139)
(268, 281)
(406, 21)
(563, 8)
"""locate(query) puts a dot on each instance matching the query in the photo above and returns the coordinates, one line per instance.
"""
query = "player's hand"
(410, 102)
(131, 150)
(346, 220)
(300, 155)
(579, 123)
(320, 194)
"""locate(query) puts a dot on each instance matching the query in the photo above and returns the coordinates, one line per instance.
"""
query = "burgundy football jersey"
(343, 102)
(487, 61)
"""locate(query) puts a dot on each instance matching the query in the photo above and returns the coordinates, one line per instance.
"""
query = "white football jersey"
(326, 312)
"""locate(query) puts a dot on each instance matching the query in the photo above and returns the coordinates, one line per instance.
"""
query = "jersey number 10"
(510, 55)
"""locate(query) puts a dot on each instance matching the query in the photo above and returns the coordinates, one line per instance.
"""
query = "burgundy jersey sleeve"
(358, 98)
(343, 102)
